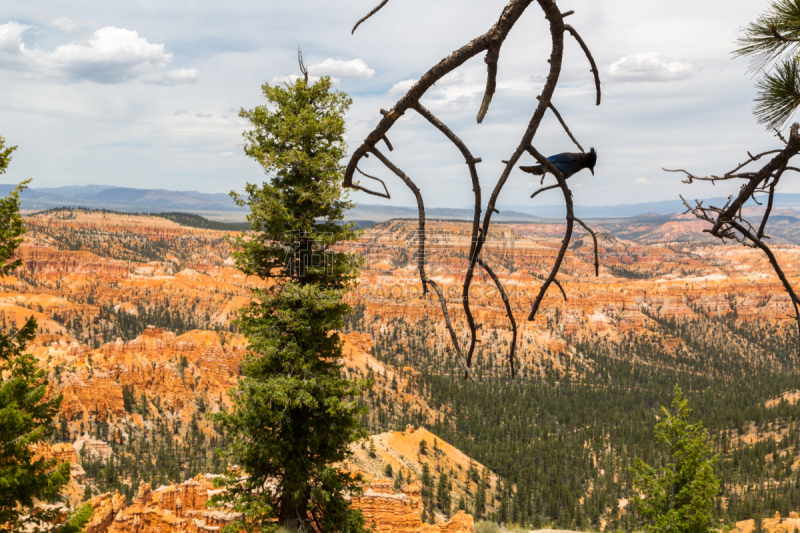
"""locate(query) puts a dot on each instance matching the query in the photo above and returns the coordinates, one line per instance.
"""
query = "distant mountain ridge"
(123, 199)
(222, 206)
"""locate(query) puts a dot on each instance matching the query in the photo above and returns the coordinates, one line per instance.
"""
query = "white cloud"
(401, 87)
(643, 180)
(69, 25)
(180, 112)
(203, 115)
(336, 68)
(226, 155)
(110, 55)
(650, 66)
(449, 79)
(176, 76)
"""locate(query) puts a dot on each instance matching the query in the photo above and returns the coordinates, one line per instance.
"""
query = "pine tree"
(426, 492)
(678, 496)
(295, 413)
(480, 498)
(772, 41)
(26, 415)
(443, 498)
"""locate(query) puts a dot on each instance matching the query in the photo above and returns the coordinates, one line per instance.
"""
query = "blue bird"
(567, 163)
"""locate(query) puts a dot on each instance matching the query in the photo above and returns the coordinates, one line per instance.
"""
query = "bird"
(568, 163)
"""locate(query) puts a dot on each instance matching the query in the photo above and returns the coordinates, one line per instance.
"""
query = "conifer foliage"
(678, 496)
(295, 413)
(26, 415)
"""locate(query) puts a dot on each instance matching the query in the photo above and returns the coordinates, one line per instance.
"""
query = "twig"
(545, 189)
(564, 124)
(781, 38)
(421, 256)
(368, 15)
(586, 51)
(596, 253)
(509, 313)
(558, 284)
(376, 179)
(491, 43)
(491, 81)
(562, 182)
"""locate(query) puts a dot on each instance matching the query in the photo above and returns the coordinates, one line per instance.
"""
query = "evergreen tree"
(295, 413)
(426, 492)
(480, 497)
(26, 415)
(443, 499)
(680, 495)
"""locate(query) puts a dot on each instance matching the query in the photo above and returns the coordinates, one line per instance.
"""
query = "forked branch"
(727, 221)
(491, 43)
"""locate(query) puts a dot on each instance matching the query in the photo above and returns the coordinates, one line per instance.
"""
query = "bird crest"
(591, 160)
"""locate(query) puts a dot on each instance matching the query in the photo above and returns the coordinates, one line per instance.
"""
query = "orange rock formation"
(182, 508)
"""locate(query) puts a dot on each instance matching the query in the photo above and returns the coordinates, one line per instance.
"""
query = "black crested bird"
(568, 163)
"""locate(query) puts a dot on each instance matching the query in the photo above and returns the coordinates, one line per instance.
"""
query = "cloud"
(336, 68)
(203, 115)
(401, 87)
(176, 76)
(111, 55)
(69, 25)
(650, 66)
(180, 112)
(449, 80)
(643, 180)
(226, 155)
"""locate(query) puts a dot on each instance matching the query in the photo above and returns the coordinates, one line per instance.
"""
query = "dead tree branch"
(727, 222)
(490, 43)
(586, 51)
(564, 124)
(596, 252)
(368, 15)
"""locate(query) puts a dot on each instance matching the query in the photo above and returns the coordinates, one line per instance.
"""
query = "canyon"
(135, 330)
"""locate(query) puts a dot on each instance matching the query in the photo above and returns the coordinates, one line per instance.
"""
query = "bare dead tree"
(490, 42)
(728, 223)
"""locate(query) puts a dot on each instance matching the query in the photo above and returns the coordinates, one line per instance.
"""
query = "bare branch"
(586, 51)
(509, 313)
(303, 68)
(476, 229)
(562, 182)
(490, 43)
(545, 189)
(596, 253)
(376, 179)
(564, 124)
(421, 257)
(491, 81)
(728, 222)
(368, 15)
(558, 284)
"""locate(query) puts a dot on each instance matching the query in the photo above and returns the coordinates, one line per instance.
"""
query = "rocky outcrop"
(771, 525)
(388, 512)
(171, 509)
(177, 369)
(182, 508)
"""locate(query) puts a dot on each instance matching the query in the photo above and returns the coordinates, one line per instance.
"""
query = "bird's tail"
(538, 170)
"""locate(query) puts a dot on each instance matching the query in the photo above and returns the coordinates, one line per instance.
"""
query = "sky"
(146, 93)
